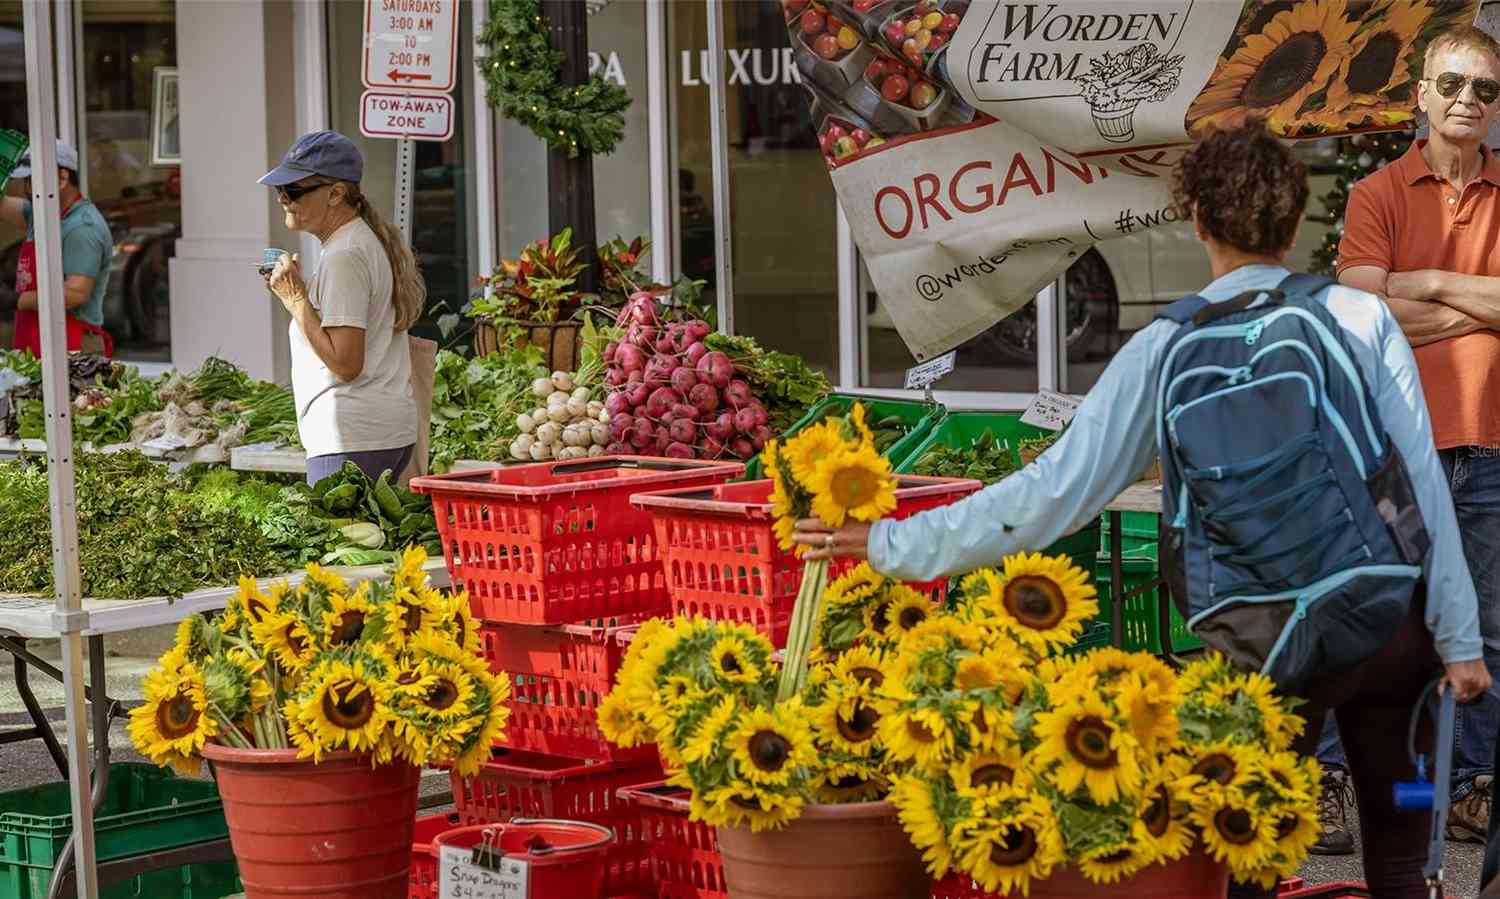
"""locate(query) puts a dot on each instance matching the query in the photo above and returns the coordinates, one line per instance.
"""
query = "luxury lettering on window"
(752, 65)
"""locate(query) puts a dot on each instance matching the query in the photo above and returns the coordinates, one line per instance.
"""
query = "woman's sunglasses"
(1451, 84)
(291, 193)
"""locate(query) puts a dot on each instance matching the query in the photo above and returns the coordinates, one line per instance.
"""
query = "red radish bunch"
(672, 396)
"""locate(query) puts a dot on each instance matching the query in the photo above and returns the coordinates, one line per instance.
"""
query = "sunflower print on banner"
(1314, 67)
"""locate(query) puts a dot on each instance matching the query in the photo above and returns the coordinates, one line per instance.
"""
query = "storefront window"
(129, 130)
(783, 208)
(12, 116)
(440, 215)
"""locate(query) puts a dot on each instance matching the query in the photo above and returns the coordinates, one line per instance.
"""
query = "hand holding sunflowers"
(389, 669)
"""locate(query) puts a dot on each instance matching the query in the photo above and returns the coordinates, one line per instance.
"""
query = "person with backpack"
(1308, 530)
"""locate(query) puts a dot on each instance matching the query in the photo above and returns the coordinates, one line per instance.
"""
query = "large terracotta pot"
(855, 851)
(1195, 877)
(562, 343)
(337, 829)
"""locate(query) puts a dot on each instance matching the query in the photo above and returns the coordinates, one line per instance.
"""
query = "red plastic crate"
(558, 677)
(517, 784)
(423, 881)
(1340, 890)
(559, 542)
(722, 560)
(684, 854)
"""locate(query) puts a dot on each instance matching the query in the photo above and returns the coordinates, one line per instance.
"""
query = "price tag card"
(1050, 410)
(931, 371)
(460, 878)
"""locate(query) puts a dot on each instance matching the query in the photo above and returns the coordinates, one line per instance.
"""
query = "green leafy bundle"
(985, 459)
(783, 383)
(475, 403)
(523, 73)
(140, 531)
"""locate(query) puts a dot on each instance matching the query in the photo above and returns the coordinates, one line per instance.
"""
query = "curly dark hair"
(1247, 188)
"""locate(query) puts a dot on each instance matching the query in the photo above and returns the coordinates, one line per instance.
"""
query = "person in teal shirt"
(87, 248)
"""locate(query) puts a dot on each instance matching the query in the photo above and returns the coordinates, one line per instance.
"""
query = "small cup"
(269, 258)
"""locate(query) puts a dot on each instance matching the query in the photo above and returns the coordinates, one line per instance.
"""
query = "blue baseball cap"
(325, 153)
(67, 158)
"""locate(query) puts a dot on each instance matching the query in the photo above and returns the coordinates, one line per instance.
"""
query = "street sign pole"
(406, 176)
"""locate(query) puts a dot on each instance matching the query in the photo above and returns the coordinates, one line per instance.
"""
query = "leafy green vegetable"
(783, 383)
(475, 403)
(141, 532)
(985, 459)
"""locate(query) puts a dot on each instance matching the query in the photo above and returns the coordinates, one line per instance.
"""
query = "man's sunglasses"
(1451, 84)
(291, 193)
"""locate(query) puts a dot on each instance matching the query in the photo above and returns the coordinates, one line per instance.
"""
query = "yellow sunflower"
(1041, 601)
(745, 805)
(860, 665)
(770, 745)
(912, 797)
(919, 735)
(344, 622)
(857, 418)
(449, 691)
(252, 668)
(808, 450)
(986, 773)
(345, 707)
(490, 728)
(1235, 832)
(457, 619)
(1295, 779)
(1297, 829)
(730, 660)
(853, 484)
(908, 608)
(1276, 71)
(411, 617)
(845, 782)
(1151, 712)
(848, 724)
(1378, 55)
(1090, 750)
(711, 731)
(174, 723)
(288, 638)
(1161, 826)
(1224, 764)
(330, 581)
(1006, 845)
(1109, 864)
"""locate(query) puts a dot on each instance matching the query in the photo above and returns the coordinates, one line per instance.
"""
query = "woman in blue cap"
(351, 363)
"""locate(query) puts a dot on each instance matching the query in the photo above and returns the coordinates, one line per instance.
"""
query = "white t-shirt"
(352, 287)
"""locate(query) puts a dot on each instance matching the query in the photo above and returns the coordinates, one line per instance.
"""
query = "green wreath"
(523, 70)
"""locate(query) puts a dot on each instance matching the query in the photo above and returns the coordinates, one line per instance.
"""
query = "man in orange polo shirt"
(1423, 232)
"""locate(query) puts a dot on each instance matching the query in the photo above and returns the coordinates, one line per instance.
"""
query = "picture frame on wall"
(166, 145)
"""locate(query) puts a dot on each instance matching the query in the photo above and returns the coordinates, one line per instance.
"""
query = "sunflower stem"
(799, 637)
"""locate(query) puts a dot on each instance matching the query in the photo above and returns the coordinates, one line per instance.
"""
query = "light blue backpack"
(1291, 537)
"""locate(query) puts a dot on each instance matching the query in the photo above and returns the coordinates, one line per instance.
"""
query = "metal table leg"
(40, 729)
(103, 710)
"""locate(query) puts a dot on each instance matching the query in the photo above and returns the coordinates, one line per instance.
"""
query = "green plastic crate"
(920, 417)
(145, 809)
(1139, 619)
(1138, 533)
(12, 148)
(959, 430)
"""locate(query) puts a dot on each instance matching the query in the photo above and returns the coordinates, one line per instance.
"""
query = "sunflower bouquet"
(1022, 759)
(389, 668)
(830, 471)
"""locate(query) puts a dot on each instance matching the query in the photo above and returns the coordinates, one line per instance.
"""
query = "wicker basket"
(562, 342)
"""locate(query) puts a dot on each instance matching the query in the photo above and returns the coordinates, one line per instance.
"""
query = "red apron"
(28, 326)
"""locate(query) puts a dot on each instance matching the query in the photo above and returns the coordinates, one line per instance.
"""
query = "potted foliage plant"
(316, 707)
(534, 301)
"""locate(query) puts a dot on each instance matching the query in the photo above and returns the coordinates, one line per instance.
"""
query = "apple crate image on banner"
(979, 147)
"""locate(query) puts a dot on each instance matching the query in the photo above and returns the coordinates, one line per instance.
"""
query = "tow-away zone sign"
(417, 116)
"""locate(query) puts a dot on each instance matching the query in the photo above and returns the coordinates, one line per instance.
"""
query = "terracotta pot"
(855, 851)
(561, 343)
(1195, 877)
(337, 829)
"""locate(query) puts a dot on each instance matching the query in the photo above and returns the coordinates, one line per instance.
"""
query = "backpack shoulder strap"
(1303, 284)
(1183, 310)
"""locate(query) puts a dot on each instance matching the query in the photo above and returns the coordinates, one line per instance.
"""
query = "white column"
(220, 306)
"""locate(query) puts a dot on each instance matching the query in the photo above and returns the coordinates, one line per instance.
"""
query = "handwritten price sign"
(460, 878)
(1050, 410)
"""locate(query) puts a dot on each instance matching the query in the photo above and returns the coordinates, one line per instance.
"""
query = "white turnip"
(716, 369)
(541, 388)
(563, 381)
(524, 424)
(599, 433)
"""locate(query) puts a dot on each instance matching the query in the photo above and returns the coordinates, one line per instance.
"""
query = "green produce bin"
(1138, 534)
(1139, 618)
(918, 416)
(959, 430)
(12, 148)
(146, 809)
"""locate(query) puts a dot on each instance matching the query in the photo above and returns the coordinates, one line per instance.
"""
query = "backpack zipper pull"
(1239, 375)
(1252, 332)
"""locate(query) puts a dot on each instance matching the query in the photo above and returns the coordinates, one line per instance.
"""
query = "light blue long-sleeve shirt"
(1112, 440)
